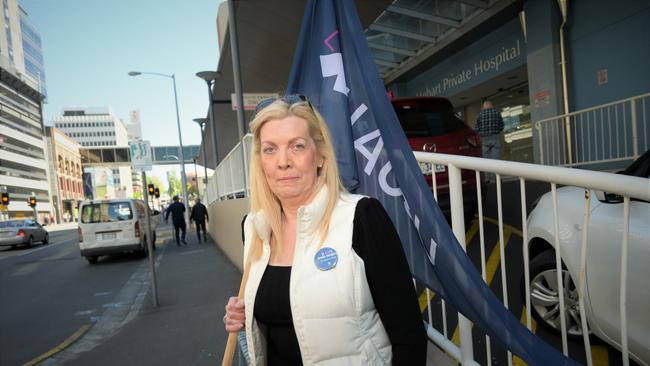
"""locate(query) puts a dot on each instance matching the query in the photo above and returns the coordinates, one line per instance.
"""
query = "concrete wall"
(225, 227)
(610, 37)
(543, 20)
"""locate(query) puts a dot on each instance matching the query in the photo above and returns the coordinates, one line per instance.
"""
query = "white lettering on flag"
(332, 65)
(432, 251)
(371, 156)
(383, 173)
(358, 113)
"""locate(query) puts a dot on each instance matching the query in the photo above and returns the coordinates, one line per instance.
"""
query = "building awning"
(404, 36)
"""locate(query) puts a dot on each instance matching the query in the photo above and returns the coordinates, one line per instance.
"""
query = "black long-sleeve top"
(375, 240)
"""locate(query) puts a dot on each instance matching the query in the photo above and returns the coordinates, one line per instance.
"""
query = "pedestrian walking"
(489, 125)
(200, 215)
(177, 210)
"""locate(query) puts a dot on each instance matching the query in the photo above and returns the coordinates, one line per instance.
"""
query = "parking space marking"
(76, 335)
(516, 361)
(600, 355)
(490, 270)
(469, 236)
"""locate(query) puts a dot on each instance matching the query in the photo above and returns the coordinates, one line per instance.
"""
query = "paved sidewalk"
(194, 283)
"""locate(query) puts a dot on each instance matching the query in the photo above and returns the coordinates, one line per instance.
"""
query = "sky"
(89, 46)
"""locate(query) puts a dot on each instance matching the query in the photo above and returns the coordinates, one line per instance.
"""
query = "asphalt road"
(49, 292)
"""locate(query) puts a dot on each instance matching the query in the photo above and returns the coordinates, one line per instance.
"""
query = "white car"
(113, 226)
(605, 233)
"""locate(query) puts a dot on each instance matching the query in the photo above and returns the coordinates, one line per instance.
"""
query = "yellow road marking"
(471, 233)
(422, 300)
(513, 229)
(516, 361)
(599, 355)
(76, 335)
(490, 269)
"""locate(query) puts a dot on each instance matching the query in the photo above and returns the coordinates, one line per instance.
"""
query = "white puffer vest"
(333, 312)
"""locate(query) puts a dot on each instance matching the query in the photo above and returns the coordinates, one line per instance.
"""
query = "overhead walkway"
(120, 156)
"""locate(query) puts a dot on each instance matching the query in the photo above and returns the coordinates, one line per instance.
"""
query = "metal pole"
(180, 148)
(234, 46)
(236, 70)
(205, 168)
(213, 125)
(458, 227)
(152, 266)
(196, 177)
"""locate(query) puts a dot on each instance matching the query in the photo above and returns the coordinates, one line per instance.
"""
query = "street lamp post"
(196, 175)
(178, 125)
(202, 122)
(210, 78)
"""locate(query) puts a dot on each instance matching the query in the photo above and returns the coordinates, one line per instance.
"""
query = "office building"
(99, 128)
(93, 127)
(23, 154)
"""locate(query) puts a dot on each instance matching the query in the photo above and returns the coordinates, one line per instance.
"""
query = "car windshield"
(106, 212)
(421, 121)
(11, 223)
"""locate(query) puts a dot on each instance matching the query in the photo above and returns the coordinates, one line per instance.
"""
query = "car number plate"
(108, 236)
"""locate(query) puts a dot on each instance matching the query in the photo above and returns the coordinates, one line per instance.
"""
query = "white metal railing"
(606, 133)
(228, 182)
(229, 178)
(625, 186)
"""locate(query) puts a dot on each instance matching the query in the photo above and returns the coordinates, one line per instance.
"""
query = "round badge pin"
(326, 259)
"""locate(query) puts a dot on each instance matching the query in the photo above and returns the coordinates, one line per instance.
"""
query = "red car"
(431, 126)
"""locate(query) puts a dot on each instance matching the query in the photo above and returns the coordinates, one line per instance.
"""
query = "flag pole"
(231, 344)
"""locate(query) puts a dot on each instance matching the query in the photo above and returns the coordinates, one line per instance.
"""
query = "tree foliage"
(173, 184)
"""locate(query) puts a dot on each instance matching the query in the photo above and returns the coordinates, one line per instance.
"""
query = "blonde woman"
(328, 282)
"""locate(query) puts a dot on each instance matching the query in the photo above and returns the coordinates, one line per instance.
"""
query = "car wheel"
(92, 259)
(30, 242)
(46, 239)
(544, 295)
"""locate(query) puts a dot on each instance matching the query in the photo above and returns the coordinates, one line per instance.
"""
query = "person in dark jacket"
(200, 216)
(177, 210)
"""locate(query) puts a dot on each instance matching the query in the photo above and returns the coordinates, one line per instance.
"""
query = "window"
(106, 212)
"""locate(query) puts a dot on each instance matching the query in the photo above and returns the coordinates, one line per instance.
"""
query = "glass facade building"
(24, 168)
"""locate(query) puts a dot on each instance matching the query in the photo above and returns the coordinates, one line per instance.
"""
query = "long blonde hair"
(262, 198)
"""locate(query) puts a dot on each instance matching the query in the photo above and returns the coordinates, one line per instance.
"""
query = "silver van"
(113, 226)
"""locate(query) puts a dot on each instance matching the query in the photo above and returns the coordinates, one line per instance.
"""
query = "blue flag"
(333, 67)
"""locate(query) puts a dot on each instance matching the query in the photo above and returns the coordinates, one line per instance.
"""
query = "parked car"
(431, 126)
(603, 266)
(113, 226)
(22, 232)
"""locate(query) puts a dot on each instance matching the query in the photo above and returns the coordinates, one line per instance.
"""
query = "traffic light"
(5, 199)
(156, 192)
(32, 201)
(150, 188)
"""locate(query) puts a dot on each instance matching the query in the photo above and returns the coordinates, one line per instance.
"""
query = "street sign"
(141, 155)
(251, 100)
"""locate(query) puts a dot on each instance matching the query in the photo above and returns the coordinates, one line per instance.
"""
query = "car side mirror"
(605, 197)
